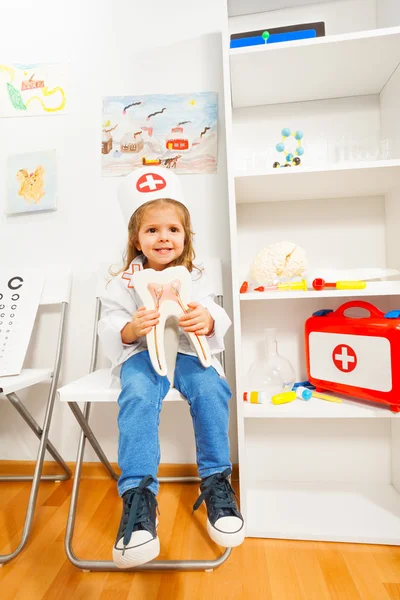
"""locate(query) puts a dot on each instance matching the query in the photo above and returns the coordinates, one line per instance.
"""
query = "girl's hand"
(198, 320)
(142, 323)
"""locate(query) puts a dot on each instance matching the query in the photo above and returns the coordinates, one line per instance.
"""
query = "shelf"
(336, 512)
(327, 67)
(374, 288)
(361, 179)
(318, 409)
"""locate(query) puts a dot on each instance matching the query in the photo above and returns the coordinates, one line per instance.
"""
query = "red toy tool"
(320, 284)
(353, 356)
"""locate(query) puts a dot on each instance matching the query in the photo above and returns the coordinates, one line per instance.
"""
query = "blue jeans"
(140, 403)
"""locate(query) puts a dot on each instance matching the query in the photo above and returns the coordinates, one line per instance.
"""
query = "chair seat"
(98, 387)
(27, 377)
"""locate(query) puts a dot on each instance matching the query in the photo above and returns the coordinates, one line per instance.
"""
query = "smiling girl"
(160, 236)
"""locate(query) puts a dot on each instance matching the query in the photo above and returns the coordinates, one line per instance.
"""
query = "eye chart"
(20, 295)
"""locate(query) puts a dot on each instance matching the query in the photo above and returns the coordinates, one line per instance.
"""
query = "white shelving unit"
(336, 512)
(315, 470)
(316, 409)
(376, 178)
(329, 67)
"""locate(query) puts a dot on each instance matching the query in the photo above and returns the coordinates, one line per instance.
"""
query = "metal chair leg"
(25, 414)
(44, 443)
(35, 483)
(105, 565)
(83, 422)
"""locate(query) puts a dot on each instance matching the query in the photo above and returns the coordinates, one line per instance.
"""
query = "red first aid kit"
(358, 357)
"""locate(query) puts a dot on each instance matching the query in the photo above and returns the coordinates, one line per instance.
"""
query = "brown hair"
(131, 252)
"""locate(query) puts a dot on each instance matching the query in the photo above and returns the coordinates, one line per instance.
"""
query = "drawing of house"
(106, 142)
(31, 84)
(177, 141)
(132, 142)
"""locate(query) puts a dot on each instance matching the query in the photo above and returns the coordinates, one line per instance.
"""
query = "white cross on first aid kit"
(355, 356)
(357, 360)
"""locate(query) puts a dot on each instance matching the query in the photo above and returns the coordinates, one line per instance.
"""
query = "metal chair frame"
(82, 416)
(45, 444)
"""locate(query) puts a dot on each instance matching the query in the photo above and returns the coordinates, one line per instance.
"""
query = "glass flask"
(273, 374)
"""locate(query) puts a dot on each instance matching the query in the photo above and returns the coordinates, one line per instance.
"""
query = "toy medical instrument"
(356, 357)
(306, 384)
(284, 398)
(320, 284)
(272, 374)
(289, 286)
(326, 397)
(255, 397)
(303, 393)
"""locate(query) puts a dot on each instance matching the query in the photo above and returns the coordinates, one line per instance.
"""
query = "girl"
(160, 236)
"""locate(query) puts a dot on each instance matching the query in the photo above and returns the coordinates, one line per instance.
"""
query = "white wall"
(246, 7)
(387, 13)
(116, 48)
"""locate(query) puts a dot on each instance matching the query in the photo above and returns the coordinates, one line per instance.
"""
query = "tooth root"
(166, 340)
(198, 341)
(168, 291)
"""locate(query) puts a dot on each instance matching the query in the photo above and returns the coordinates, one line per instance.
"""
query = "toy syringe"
(320, 284)
(290, 286)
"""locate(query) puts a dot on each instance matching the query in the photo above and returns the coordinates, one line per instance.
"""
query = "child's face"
(161, 236)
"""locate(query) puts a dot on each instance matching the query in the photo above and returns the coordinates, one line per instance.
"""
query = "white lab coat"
(120, 303)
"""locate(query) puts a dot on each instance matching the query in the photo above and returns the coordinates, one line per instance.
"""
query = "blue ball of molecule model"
(289, 157)
(298, 135)
(300, 151)
(286, 132)
(280, 147)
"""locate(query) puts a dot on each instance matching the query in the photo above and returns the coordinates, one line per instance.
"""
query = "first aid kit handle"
(375, 312)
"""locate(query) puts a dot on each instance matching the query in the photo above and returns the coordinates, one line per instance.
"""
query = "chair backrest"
(213, 268)
(53, 288)
(57, 286)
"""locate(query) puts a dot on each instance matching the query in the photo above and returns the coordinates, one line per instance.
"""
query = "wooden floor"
(258, 569)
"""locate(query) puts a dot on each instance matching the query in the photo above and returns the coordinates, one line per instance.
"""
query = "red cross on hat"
(150, 182)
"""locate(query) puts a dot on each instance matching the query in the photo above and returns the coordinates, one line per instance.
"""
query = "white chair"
(56, 291)
(95, 387)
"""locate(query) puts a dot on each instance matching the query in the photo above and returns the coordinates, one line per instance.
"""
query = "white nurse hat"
(147, 184)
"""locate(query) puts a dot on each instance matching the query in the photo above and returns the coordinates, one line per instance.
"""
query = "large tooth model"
(168, 292)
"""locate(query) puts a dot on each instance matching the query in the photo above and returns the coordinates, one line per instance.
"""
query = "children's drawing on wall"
(176, 131)
(31, 182)
(32, 90)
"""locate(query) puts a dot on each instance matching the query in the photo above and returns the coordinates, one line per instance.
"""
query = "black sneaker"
(137, 541)
(225, 524)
